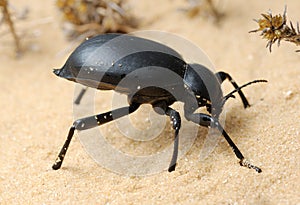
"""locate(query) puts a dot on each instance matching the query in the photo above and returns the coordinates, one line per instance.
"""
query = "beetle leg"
(79, 97)
(90, 122)
(207, 121)
(223, 76)
(176, 123)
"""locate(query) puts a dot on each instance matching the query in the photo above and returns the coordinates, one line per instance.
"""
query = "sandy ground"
(36, 112)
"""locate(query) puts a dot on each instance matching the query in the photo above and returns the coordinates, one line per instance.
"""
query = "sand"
(37, 111)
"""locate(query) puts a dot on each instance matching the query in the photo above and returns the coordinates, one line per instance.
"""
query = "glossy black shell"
(130, 64)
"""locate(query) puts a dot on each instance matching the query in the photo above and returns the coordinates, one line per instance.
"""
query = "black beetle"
(112, 62)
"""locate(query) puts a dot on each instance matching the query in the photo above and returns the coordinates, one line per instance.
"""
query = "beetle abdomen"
(103, 61)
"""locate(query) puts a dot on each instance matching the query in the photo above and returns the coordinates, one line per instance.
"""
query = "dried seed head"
(275, 28)
(92, 17)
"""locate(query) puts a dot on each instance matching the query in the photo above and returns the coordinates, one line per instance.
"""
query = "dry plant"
(205, 8)
(91, 17)
(7, 18)
(275, 28)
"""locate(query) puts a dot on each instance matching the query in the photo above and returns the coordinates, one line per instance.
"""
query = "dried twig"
(8, 20)
(207, 7)
(275, 28)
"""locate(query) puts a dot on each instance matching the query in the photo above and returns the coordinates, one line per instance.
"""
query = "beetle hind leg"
(91, 122)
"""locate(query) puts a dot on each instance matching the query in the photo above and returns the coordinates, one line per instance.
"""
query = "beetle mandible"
(127, 55)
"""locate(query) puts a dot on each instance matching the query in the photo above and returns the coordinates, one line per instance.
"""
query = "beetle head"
(205, 86)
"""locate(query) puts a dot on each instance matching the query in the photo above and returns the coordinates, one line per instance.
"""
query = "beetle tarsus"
(246, 163)
(172, 168)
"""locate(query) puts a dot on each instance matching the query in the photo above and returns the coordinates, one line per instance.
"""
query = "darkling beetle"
(107, 71)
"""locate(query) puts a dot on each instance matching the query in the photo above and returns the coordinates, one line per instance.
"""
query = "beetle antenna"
(229, 95)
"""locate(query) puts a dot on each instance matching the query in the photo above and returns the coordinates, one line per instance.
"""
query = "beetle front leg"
(223, 76)
(207, 121)
(91, 122)
(176, 124)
